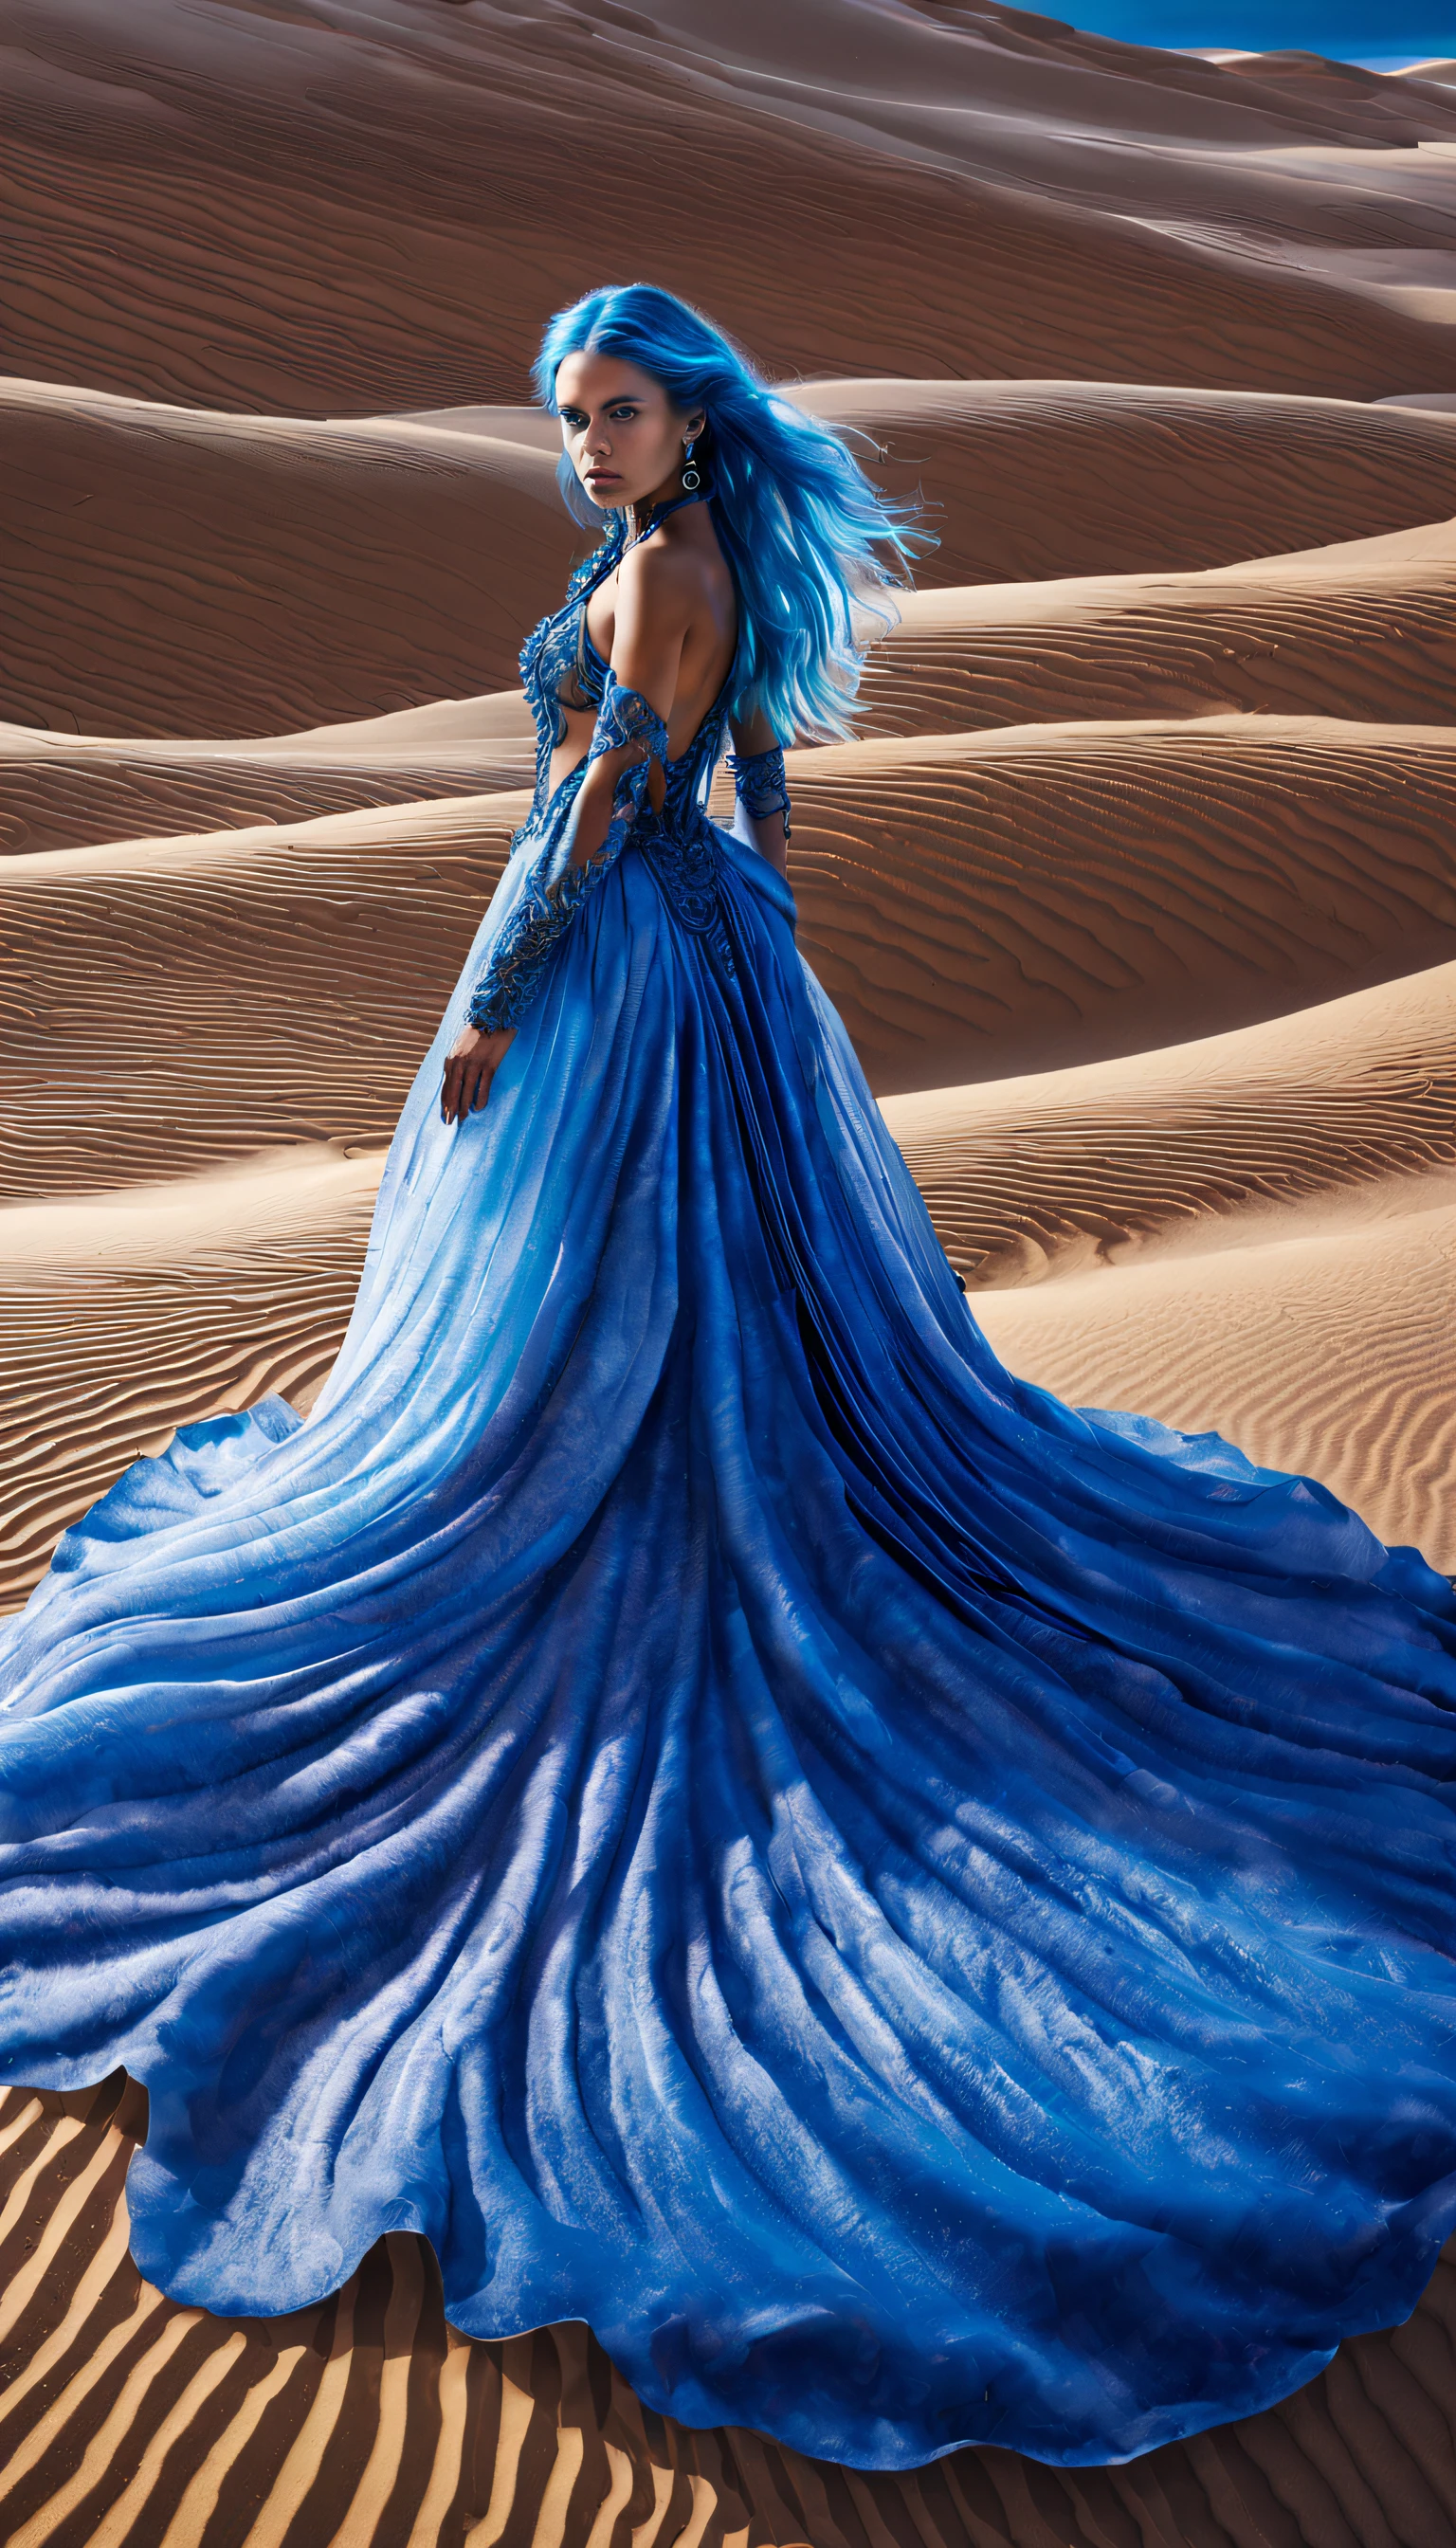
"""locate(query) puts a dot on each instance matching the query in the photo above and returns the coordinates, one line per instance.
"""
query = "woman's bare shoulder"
(666, 580)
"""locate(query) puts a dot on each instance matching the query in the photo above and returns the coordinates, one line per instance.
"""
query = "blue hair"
(807, 538)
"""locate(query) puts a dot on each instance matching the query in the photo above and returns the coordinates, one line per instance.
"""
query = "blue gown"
(923, 1914)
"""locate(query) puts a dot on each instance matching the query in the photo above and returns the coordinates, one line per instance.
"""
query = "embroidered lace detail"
(678, 842)
(684, 861)
(556, 887)
(624, 717)
(556, 649)
(759, 784)
(525, 947)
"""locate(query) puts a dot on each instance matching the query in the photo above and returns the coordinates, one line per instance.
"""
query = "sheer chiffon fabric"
(921, 1913)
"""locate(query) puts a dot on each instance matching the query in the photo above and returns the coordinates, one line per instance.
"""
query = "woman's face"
(624, 436)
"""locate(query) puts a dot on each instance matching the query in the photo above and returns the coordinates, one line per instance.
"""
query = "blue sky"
(1353, 31)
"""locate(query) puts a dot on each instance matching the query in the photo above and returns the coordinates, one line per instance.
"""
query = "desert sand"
(368, 2422)
(1137, 892)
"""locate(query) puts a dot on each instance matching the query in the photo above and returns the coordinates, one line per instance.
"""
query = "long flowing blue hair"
(809, 542)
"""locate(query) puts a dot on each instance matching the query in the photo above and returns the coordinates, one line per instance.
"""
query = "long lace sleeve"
(555, 888)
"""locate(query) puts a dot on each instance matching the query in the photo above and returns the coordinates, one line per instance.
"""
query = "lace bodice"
(559, 655)
(677, 839)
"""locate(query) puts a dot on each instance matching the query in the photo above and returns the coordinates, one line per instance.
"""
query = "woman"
(923, 1914)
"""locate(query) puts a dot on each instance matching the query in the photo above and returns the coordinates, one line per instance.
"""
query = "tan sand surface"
(1042, 478)
(1253, 1234)
(1053, 477)
(125, 1314)
(978, 903)
(282, 983)
(175, 571)
(261, 987)
(1137, 893)
(1364, 629)
(1314, 1354)
(62, 792)
(1343, 1114)
(206, 212)
(368, 2421)
(1268, 1174)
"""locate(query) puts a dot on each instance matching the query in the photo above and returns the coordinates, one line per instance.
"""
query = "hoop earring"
(691, 478)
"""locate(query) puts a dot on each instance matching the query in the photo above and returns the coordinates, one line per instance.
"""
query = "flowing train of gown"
(921, 1913)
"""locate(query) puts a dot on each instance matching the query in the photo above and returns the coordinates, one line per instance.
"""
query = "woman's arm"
(653, 615)
(654, 608)
(760, 816)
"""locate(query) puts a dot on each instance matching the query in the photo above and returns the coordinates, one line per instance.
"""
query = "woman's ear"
(694, 424)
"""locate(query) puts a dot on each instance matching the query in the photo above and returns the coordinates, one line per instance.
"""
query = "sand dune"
(1360, 629)
(973, 904)
(1136, 894)
(1053, 478)
(978, 905)
(261, 987)
(181, 572)
(1344, 1113)
(1253, 1234)
(1364, 629)
(227, 1033)
(125, 1314)
(58, 792)
(1067, 208)
(1286, 1153)
(368, 2421)
(205, 575)
(62, 801)
(1040, 478)
(1326, 1354)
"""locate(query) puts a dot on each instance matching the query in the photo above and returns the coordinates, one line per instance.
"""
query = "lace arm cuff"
(624, 717)
(555, 887)
(759, 784)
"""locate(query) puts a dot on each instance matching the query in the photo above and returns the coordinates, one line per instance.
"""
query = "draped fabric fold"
(922, 1913)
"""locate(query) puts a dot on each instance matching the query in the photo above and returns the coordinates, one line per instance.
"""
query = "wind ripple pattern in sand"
(125, 1315)
(57, 801)
(971, 904)
(1026, 480)
(1314, 1355)
(1203, 1146)
(170, 571)
(1374, 649)
(269, 571)
(218, 221)
(1036, 895)
(259, 989)
(129, 2422)
(203, 213)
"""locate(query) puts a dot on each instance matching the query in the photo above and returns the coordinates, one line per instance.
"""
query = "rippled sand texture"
(1137, 893)
(129, 2422)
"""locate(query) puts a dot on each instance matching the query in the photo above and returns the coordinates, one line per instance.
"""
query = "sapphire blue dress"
(921, 1913)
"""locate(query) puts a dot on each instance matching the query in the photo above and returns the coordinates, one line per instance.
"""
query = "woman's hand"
(472, 1062)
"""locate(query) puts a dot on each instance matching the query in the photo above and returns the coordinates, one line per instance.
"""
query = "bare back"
(669, 605)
